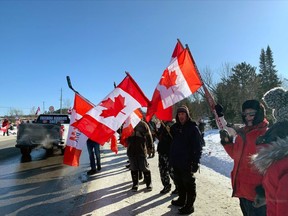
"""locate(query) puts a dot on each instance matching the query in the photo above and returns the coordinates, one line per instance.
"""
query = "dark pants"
(7, 133)
(248, 209)
(185, 182)
(166, 171)
(139, 163)
(94, 148)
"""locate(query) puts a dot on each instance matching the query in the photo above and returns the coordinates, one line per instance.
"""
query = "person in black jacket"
(163, 149)
(185, 154)
(138, 142)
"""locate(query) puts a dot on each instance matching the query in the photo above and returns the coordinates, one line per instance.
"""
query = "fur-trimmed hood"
(274, 152)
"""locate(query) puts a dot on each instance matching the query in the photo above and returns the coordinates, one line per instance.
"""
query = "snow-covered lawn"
(214, 155)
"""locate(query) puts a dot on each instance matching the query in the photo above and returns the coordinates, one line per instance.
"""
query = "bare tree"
(15, 112)
(67, 103)
(33, 110)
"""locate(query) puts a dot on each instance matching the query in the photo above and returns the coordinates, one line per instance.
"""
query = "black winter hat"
(277, 99)
(252, 104)
(256, 105)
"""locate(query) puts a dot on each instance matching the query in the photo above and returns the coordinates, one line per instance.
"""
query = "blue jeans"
(94, 148)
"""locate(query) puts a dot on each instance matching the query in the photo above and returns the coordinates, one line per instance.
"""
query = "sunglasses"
(251, 114)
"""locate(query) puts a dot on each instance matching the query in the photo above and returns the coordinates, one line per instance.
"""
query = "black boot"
(148, 181)
(135, 180)
(186, 210)
(181, 199)
(189, 206)
(166, 189)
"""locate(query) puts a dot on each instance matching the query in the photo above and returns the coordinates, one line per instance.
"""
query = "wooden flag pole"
(168, 131)
(208, 96)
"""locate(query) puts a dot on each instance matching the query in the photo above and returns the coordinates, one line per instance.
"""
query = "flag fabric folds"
(103, 120)
(128, 126)
(76, 140)
(113, 143)
(179, 80)
(156, 107)
(177, 50)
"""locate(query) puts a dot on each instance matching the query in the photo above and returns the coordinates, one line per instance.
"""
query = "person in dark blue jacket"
(185, 154)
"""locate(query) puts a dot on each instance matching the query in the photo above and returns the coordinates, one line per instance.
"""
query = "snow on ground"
(214, 155)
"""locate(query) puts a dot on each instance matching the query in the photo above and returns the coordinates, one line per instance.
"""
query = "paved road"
(108, 192)
(10, 137)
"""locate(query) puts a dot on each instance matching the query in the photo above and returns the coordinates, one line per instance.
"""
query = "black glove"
(194, 167)
(225, 137)
(219, 110)
(260, 197)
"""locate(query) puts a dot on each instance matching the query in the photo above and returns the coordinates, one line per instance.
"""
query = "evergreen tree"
(267, 72)
(262, 65)
(242, 85)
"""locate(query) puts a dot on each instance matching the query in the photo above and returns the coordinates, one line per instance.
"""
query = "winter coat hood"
(184, 109)
(275, 151)
(277, 100)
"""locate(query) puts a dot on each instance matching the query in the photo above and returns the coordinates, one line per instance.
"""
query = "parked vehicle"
(48, 131)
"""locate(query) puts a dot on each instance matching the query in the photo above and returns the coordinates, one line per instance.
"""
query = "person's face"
(249, 115)
(182, 116)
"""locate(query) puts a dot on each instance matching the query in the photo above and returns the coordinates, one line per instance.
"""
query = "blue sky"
(95, 42)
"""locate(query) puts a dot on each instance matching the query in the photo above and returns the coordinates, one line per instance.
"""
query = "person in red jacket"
(244, 176)
(272, 161)
(5, 127)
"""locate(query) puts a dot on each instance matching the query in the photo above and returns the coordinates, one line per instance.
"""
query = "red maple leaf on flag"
(167, 79)
(113, 108)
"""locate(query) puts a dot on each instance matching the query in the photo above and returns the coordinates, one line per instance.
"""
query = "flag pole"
(76, 92)
(208, 96)
(168, 131)
(180, 43)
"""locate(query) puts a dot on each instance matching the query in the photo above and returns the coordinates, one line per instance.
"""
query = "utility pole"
(61, 102)
(43, 107)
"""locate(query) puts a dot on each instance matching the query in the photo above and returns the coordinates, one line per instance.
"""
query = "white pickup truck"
(49, 131)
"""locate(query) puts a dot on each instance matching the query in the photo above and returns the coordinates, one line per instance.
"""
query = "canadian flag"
(177, 50)
(129, 124)
(4, 129)
(103, 120)
(113, 143)
(179, 80)
(76, 140)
